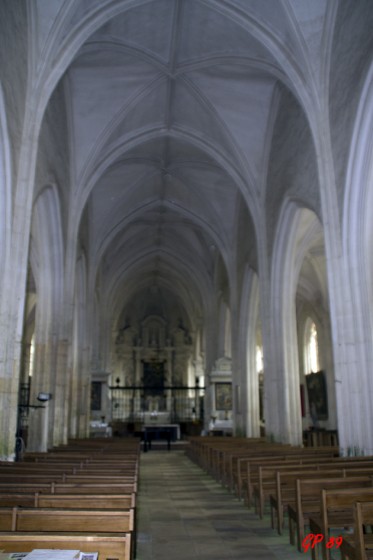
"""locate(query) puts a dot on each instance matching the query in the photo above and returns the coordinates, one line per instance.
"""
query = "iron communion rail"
(144, 404)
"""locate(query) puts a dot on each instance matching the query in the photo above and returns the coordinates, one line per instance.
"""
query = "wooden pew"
(294, 455)
(25, 488)
(267, 480)
(66, 520)
(84, 457)
(28, 478)
(94, 501)
(230, 457)
(94, 478)
(359, 546)
(307, 501)
(17, 499)
(337, 511)
(285, 492)
(69, 501)
(253, 467)
(209, 449)
(226, 458)
(261, 474)
(71, 468)
(109, 546)
(69, 488)
(67, 478)
(80, 488)
(284, 462)
(85, 501)
(92, 488)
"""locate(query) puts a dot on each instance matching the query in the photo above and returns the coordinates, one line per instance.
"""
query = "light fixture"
(44, 397)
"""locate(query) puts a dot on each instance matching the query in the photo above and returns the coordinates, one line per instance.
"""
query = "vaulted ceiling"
(171, 107)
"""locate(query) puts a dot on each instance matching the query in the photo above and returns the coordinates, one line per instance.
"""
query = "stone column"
(138, 365)
(169, 378)
(40, 426)
(61, 394)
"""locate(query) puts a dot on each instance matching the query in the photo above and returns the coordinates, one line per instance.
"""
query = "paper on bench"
(88, 556)
(13, 555)
(52, 554)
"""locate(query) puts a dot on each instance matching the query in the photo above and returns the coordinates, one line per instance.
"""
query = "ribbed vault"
(170, 109)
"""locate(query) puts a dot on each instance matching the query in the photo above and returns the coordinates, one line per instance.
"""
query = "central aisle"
(184, 515)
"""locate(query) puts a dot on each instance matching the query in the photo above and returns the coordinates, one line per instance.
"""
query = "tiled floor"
(184, 514)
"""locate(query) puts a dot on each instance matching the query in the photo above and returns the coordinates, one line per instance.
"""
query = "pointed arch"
(297, 230)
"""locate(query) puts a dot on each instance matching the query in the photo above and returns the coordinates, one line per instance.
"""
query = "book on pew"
(49, 554)
(52, 554)
(13, 555)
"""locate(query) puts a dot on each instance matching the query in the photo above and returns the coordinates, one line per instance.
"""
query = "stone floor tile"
(183, 514)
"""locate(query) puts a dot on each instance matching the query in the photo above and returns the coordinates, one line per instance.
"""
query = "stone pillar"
(169, 378)
(61, 394)
(84, 395)
(138, 365)
(138, 377)
(8, 416)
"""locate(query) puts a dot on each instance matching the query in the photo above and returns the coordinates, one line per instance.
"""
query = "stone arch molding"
(357, 243)
(298, 227)
(46, 257)
(248, 321)
(48, 239)
(5, 185)
(80, 299)
(358, 204)
(82, 334)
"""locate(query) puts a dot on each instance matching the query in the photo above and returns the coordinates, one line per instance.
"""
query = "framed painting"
(302, 401)
(223, 396)
(317, 395)
(96, 395)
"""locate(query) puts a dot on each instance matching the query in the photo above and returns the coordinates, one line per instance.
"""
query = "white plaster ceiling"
(170, 107)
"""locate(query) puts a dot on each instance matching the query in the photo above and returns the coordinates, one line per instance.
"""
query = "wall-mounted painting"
(317, 395)
(96, 387)
(223, 396)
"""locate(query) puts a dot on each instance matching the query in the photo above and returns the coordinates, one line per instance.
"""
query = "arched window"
(259, 371)
(311, 348)
(259, 359)
(32, 355)
(227, 334)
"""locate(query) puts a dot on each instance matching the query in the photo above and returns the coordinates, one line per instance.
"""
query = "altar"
(166, 432)
(155, 431)
(156, 417)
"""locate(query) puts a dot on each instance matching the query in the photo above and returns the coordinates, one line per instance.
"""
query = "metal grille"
(181, 404)
(23, 405)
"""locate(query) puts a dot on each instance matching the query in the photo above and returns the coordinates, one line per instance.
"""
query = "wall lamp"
(44, 397)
